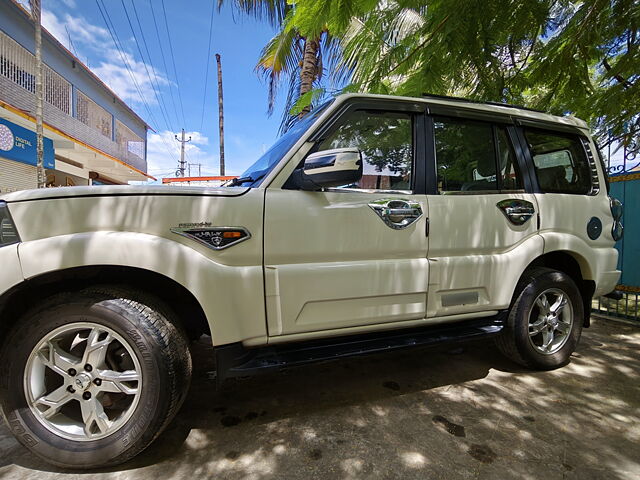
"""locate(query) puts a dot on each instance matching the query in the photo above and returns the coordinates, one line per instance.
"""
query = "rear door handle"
(397, 213)
(517, 211)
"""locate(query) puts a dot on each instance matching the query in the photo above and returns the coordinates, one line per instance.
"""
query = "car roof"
(502, 110)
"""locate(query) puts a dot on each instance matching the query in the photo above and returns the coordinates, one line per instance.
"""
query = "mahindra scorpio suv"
(374, 223)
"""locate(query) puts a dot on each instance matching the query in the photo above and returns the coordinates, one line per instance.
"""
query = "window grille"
(129, 144)
(18, 65)
(93, 115)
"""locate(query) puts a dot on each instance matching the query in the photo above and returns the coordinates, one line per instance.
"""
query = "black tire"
(514, 340)
(159, 345)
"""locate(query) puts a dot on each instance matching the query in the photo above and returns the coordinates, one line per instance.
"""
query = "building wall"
(15, 24)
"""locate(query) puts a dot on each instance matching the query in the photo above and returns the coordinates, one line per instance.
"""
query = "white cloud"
(88, 40)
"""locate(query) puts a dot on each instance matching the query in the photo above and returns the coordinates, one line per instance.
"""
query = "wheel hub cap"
(550, 321)
(94, 403)
(82, 381)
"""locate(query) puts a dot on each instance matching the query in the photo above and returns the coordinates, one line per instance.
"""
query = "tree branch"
(440, 25)
(625, 83)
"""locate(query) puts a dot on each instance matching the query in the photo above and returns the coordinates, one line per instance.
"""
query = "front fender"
(230, 296)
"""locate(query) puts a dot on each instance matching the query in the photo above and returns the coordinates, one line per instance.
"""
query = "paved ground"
(439, 413)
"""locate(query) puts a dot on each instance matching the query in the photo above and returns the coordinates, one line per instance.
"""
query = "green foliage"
(306, 100)
(579, 57)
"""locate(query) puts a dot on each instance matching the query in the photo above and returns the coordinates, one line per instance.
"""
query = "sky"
(173, 102)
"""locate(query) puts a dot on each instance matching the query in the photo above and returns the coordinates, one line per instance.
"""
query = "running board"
(234, 360)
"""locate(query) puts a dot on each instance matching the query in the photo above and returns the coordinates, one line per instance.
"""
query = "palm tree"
(289, 55)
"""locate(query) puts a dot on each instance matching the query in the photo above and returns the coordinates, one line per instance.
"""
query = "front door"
(352, 258)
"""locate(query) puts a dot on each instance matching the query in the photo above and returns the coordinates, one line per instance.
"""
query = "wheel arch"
(578, 268)
(18, 299)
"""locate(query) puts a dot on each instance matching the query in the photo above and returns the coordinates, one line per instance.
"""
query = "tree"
(562, 56)
(290, 55)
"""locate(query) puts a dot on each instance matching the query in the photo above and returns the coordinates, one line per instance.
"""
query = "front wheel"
(545, 321)
(93, 377)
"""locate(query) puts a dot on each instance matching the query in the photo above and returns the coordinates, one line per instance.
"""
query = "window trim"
(495, 123)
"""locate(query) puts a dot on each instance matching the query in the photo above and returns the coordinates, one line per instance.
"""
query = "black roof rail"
(467, 100)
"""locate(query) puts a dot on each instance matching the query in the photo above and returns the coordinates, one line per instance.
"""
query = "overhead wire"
(206, 75)
(155, 87)
(164, 61)
(173, 60)
(116, 40)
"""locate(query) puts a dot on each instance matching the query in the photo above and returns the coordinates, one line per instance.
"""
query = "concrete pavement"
(449, 412)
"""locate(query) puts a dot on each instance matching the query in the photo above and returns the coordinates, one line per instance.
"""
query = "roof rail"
(467, 100)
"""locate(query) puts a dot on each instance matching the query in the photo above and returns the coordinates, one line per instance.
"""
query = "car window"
(560, 162)
(385, 140)
(474, 157)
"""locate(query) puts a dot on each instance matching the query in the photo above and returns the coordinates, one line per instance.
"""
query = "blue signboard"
(19, 144)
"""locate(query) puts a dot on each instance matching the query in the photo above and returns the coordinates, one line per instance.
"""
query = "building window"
(129, 144)
(93, 115)
(18, 65)
(57, 91)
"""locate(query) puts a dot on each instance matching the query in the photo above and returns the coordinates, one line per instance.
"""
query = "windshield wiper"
(240, 180)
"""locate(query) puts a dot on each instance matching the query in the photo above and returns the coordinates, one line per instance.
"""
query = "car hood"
(120, 190)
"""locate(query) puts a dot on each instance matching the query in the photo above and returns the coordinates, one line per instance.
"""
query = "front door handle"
(397, 213)
(517, 211)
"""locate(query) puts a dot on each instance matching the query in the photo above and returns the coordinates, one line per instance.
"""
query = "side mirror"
(330, 168)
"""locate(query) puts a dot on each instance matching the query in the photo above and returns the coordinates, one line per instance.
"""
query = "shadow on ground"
(438, 413)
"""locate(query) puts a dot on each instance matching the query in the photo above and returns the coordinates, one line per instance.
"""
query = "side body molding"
(227, 294)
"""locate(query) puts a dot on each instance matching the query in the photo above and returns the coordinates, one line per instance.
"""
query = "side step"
(235, 360)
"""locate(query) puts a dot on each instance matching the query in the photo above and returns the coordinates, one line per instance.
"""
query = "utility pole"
(182, 164)
(36, 15)
(220, 114)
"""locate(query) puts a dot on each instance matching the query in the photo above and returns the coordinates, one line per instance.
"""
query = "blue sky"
(79, 25)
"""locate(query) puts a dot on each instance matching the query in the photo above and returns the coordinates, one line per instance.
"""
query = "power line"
(173, 60)
(164, 61)
(156, 87)
(116, 41)
(206, 75)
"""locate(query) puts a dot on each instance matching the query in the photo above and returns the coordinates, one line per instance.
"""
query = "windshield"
(252, 175)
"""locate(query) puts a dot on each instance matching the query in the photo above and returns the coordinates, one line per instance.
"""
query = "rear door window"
(474, 157)
(560, 162)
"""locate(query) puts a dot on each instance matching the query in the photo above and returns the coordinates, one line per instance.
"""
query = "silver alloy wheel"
(83, 381)
(550, 321)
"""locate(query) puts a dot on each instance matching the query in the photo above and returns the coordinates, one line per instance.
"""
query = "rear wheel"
(545, 321)
(95, 376)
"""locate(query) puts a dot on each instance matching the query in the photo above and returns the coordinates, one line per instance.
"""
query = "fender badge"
(217, 238)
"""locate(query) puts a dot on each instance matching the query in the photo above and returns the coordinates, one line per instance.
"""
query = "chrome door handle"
(397, 213)
(517, 211)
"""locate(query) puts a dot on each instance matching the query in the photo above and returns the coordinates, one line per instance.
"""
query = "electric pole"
(220, 114)
(36, 15)
(182, 164)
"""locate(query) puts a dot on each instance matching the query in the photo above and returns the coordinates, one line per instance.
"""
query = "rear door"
(354, 258)
(483, 217)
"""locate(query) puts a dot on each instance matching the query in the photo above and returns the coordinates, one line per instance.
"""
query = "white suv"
(374, 223)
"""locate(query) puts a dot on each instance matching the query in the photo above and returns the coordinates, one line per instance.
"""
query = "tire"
(526, 339)
(137, 373)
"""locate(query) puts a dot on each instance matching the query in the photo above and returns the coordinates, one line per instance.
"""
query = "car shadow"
(456, 410)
